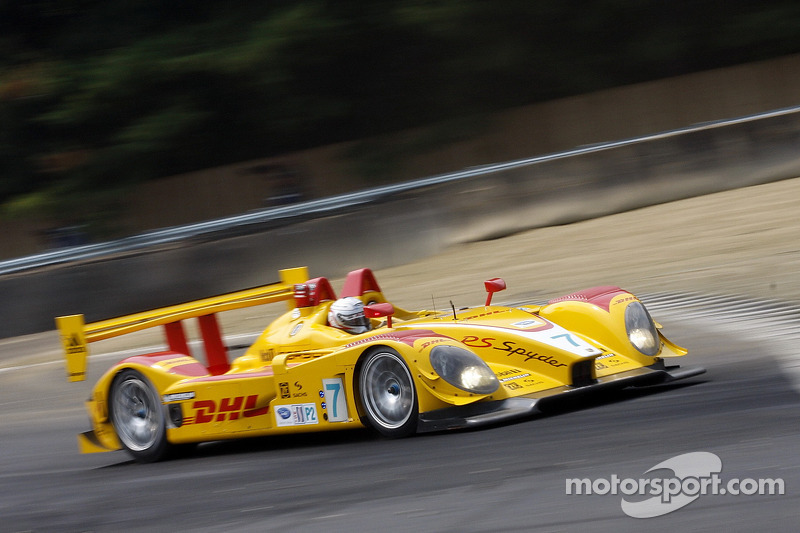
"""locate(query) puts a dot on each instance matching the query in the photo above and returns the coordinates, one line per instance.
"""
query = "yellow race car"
(370, 363)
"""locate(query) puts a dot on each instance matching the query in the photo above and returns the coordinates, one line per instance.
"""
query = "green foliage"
(97, 95)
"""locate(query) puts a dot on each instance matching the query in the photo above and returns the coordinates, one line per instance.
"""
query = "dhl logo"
(228, 409)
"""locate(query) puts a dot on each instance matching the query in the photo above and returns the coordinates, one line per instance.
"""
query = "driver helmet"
(348, 314)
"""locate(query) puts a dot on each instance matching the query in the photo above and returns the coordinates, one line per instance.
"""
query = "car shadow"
(560, 405)
(547, 408)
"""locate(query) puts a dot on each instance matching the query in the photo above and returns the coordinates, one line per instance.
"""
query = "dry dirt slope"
(745, 241)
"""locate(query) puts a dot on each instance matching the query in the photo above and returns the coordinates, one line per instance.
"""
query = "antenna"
(453, 307)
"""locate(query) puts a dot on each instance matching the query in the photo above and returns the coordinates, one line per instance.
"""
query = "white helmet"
(348, 314)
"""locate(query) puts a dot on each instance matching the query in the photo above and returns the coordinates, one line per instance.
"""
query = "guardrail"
(262, 218)
(393, 224)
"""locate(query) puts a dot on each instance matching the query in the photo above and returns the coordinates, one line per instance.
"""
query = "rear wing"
(76, 334)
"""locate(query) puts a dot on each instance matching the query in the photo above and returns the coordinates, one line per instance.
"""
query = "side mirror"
(380, 310)
(492, 286)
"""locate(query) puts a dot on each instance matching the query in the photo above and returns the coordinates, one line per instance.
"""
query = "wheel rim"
(136, 414)
(388, 391)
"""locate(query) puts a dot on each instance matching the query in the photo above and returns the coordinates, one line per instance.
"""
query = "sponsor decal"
(300, 392)
(430, 343)
(101, 431)
(512, 349)
(609, 360)
(511, 378)
(206, 411)
(475, 342)
(178, 397)
(614, 361)
(267, 355)
(296, 329)
(547, 333)
(624, 299)
(301, 414)
(100, 405)
(532, 382)
(284, 386)
(526, 324)
(73, 344)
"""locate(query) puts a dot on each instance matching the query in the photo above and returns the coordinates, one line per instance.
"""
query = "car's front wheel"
(138, 417)
(387, 393)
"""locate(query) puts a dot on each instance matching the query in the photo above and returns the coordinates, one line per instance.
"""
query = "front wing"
(500, 411)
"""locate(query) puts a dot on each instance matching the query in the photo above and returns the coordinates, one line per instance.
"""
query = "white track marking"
(772, 322)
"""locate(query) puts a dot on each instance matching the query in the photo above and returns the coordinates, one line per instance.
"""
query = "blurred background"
(117, 117)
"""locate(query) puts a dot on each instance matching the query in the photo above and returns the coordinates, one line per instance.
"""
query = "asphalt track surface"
(506, 478)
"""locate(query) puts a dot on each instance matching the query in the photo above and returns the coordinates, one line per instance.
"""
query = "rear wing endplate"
(76, 334)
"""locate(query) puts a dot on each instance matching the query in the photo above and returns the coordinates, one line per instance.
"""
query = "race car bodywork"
(413, 371)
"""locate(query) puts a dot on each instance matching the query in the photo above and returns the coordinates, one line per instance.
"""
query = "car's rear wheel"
(138, 416)
(387, 393)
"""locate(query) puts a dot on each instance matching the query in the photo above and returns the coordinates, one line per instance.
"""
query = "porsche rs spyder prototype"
(400, 373)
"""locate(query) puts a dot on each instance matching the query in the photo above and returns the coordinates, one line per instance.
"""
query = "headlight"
(463, 369)
(641, 329)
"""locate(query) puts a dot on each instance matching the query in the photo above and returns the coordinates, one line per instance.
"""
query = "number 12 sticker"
(335, 401)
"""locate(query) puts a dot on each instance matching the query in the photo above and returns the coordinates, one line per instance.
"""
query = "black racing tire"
(138, 417)
(387, 393)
